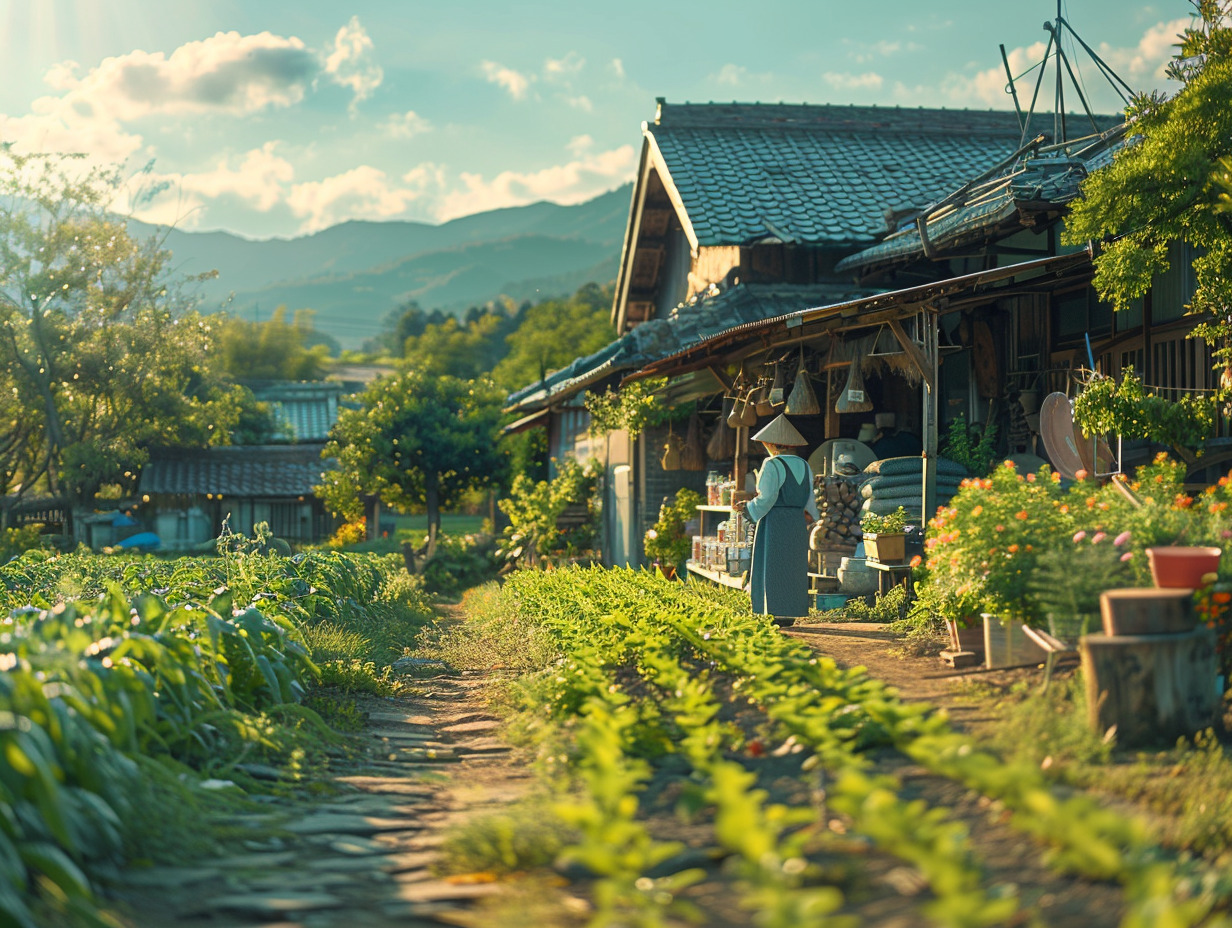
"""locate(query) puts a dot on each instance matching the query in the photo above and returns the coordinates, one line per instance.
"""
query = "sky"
(272, 118)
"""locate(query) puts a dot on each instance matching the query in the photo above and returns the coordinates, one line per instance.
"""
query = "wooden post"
(1152, 689)
(931, 419)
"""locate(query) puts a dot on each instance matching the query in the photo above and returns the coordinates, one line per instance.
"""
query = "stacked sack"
(893, 482)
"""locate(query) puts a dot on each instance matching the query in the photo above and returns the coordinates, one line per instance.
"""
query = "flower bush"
(992, 549)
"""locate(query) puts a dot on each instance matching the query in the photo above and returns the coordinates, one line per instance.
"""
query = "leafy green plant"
(535, 509)
(977, 455)
(1128, 410)
(633, 408)
(666, 540)
(889, 523)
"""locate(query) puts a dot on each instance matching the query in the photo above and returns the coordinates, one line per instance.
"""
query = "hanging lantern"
(671, 451)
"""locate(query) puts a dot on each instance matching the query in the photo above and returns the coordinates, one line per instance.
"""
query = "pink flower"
(1079, 535)
(1097, 538)
(1121, 539)
(1127, 555)
(1225, 534)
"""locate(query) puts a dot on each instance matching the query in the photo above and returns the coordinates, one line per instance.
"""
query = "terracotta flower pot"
(1179, 567)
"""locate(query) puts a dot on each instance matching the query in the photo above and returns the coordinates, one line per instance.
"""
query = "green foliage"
(633, 408)
(1157, 191)
(14, 541)
(270, 350)
(524, 838)
(493, 635)
(535, 508)
(553, 333)
(669, 544)
(1128, 410)
(885, 524)
(416, 441)
(99, 358)
(460, 562)
(975, 455)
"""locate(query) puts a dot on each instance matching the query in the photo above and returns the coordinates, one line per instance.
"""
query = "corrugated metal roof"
(688, 324)
(263, 471)
(818, 174)
(853, 310)
(1038, 183)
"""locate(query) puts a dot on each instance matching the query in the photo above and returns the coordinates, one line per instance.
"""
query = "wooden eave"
(655, 202)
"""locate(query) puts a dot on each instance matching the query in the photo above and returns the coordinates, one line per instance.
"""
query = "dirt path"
(1007, 856)
(363, 858)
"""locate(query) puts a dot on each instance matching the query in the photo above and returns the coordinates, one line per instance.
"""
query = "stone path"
(362, 858)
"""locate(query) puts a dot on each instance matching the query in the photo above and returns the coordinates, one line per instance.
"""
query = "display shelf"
(723, 578)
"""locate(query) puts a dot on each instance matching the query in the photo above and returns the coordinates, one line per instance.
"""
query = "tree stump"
(1151, 688)
(1147, 611)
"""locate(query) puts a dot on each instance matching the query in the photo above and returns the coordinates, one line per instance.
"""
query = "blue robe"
(778, 574)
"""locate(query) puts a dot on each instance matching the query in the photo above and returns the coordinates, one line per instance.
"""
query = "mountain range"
(355, 273)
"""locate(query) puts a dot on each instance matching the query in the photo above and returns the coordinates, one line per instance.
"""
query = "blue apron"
(778, 574)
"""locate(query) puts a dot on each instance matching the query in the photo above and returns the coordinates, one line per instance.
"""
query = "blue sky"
(268, 117)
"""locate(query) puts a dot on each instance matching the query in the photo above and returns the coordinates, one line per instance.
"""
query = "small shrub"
(526, 838)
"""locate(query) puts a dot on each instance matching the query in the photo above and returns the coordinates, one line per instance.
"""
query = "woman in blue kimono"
(783, 510)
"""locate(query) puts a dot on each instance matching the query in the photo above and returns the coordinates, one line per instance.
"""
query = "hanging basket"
(761, 400)
(671, 452)
(693, 454)
(803, 401)
(778, 388)
(722, 444)
(853, 397)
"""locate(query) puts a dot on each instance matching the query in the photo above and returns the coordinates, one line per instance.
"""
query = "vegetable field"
(129, 683)
(656, 676)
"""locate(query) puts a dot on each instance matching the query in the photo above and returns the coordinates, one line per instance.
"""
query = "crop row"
(119, 675)
(611, 622)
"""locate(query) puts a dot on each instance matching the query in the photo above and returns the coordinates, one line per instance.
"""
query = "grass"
(415, 527)
(529, 836)
(1187, 789)
(491, 637)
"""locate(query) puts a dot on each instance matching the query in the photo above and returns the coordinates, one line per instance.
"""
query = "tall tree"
(97, 364)
(553, 333)
(417, 440)
(1158, 189)
(272, 350)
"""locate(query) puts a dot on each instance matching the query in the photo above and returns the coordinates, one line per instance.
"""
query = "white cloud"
(349, 63)
(573, 182)
(405, 125)
(1141, 66)
(732, 74)
(360, 193)
(228, 72)
(563, 68)
(579, 145)
(513, 81)
(870, 80)
(618, 68)
(864, 52)
(580, 102)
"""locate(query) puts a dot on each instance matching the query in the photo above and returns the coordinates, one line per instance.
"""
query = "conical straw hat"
(780, 431)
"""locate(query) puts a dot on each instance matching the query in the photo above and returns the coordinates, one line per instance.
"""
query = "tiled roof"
(818, 174)
(688, 324)
(263, 471)
(307, 411)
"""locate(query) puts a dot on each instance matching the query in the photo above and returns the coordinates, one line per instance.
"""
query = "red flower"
(1021, 515)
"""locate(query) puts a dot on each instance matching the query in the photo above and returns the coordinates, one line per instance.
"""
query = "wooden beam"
(913, 352)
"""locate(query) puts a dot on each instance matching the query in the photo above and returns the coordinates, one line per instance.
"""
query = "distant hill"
(355, 273)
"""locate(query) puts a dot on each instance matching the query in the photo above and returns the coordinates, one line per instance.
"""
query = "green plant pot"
(886, 548)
